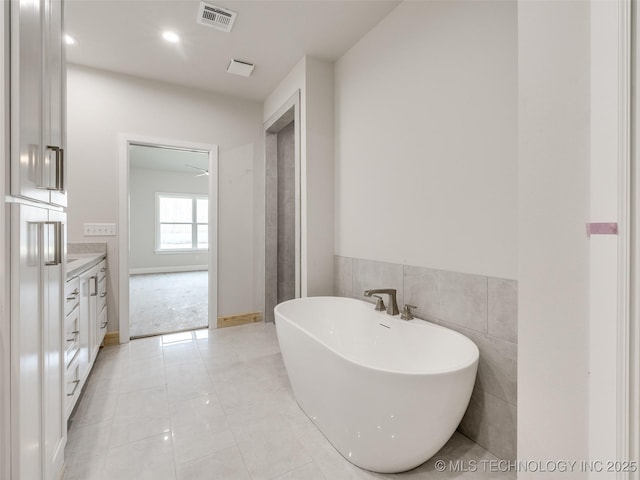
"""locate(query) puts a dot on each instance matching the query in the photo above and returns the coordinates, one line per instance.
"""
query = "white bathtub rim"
(394, 318)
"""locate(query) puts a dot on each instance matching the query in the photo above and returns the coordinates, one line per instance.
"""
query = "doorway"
(168, 240)
(282, 206)
(168, 236)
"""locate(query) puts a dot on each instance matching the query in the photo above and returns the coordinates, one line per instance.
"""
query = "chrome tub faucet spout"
(392, 308)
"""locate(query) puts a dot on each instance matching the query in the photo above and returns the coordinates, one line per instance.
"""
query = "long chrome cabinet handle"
(59, 180)
(95, 284)
(54, 238)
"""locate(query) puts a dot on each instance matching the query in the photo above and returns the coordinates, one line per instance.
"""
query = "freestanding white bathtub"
(387, 393)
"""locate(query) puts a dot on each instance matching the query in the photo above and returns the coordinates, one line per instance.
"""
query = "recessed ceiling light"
(171, 37)
(69, 40)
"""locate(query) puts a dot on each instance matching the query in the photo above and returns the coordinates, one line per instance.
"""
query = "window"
(181, 222)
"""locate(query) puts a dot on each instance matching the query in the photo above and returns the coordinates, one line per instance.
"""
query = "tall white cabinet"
(35, 206)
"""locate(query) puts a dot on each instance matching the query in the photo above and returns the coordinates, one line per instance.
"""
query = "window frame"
(194, 197)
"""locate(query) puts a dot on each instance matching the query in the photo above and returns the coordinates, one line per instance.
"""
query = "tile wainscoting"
(482, 308)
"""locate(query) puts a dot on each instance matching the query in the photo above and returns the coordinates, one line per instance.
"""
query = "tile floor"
(167, 302)
(213, 404)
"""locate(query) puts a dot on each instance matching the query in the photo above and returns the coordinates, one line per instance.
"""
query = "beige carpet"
(167, 302)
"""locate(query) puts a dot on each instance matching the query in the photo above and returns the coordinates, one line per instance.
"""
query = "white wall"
(603, 249)
(143, 186)
(236, 233)
(314, 79)
(604, 186)
(553, 256)
(101, 105)
(426, 117)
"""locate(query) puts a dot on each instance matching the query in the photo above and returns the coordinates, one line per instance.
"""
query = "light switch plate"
(99, 229)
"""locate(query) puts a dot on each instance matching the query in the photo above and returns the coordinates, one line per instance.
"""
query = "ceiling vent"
(238, 67)
(216, 17)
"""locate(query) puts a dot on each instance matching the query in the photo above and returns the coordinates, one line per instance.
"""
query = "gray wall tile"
(271, 226)
(286, 249)
(368, 274)
(491, 422)
(343, 276)
(498, 367)
(457, 298)
(503, 309)
(463, 299)
(498, 364)
(422, 289)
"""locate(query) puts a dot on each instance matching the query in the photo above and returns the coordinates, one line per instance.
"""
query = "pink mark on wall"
(602, 229)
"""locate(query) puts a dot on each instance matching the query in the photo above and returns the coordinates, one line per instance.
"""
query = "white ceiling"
(125, 36)
(168, 159)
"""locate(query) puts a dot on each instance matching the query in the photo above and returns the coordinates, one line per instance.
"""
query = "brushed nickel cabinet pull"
(59, 178)
(77, 382)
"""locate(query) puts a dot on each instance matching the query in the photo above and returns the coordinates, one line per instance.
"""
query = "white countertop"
(79, 262)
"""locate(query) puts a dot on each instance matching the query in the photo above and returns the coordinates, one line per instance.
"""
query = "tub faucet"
(392, 309)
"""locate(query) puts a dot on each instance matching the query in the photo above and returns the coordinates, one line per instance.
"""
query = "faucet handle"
(379, 303)
(406, 312)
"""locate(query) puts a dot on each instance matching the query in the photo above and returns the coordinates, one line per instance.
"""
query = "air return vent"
(216, 17)
(238, 67)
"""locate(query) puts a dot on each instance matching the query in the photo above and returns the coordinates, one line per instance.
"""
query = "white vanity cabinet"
(86, 325)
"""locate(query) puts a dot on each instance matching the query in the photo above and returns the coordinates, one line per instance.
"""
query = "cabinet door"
(26, 338)
(38, 426)
(54, 426)
(38, 101)
(27, 163)
(89, 297)
(84, 355)
(101, 326)
(55, 103)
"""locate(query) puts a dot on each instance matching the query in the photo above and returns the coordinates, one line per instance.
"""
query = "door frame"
(124, 141)
(628, 305)
(629, 262)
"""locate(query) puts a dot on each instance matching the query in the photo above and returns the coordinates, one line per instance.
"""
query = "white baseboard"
(187, 268)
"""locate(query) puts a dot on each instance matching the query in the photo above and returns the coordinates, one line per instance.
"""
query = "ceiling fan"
(202, 170)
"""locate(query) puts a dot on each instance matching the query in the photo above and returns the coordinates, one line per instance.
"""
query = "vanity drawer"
(71, 336)
(102, 325)
(102, 294)
(72, 385)
(71, 295)
(102, 271)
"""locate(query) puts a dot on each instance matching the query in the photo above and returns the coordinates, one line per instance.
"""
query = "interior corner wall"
(101, 105)
(315, 80)
(553, 255)
(143, 186)
(426, 137)
(317, 175)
